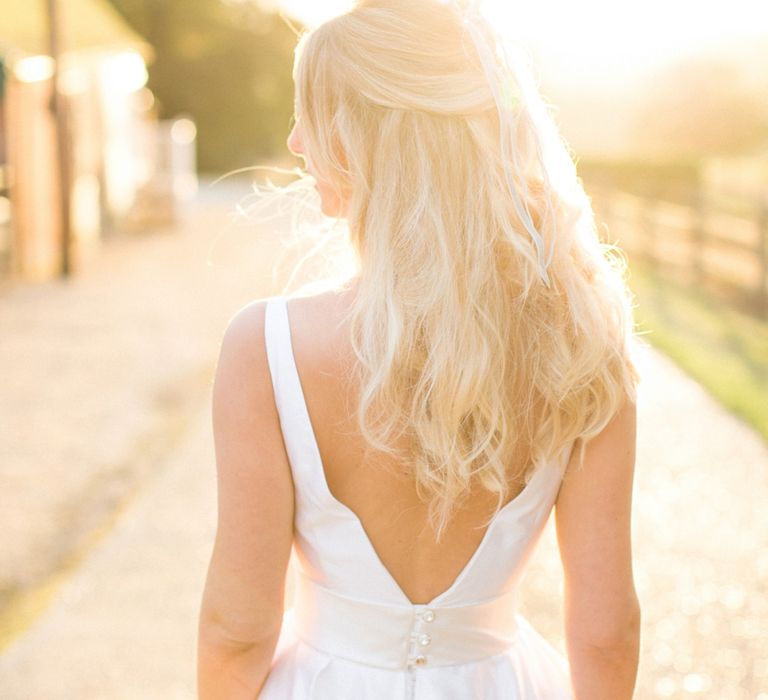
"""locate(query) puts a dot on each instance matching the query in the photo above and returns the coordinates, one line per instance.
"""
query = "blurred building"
(115, 147)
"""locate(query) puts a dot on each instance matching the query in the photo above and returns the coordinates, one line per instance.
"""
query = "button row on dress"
(422, 639)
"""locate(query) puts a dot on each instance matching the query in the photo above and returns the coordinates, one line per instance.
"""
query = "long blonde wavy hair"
(462, 348)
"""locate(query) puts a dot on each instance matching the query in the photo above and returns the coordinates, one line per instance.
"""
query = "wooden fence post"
(762, 256)
(698, 235)
(647, 227)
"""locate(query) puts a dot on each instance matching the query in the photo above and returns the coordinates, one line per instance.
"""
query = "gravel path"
(106, 397)
(98, 373)
(701, 546)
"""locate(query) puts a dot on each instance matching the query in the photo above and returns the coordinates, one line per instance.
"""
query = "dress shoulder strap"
(275, 331)
(298, 435)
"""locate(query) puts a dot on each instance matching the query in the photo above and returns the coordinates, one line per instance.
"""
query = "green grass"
(725, 350)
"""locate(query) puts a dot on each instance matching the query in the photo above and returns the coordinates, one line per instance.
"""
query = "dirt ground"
(104, 428)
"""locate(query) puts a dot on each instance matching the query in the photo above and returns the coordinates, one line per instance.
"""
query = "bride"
(408, 433)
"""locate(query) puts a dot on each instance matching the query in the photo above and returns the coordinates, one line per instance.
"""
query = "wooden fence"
(717, 241)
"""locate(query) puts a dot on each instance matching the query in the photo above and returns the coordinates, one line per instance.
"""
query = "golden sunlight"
(605, 37)
(611, 37)
(598, 59)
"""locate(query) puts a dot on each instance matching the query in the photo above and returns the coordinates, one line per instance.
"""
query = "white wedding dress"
(352, 632)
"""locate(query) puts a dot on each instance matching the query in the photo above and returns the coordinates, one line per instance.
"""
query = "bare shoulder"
(317, 324)
(311, 308)
(593, 510)
(247, 323)
(614, 444)
(314, 322)
(242, 383)
(322, 307)
(593, 518)
(254, 491)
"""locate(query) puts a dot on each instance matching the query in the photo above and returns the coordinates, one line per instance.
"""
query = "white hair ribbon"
(510, 96)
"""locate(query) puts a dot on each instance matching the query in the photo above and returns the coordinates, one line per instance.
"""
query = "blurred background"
(123, 255)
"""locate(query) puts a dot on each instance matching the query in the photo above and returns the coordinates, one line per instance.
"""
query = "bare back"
(372, 484)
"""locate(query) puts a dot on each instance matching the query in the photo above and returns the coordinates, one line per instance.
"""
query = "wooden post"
(647, 228)
(58, 108)
(698, 235)
(762, 256)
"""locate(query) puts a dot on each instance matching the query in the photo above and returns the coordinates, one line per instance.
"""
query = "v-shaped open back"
(340, 571)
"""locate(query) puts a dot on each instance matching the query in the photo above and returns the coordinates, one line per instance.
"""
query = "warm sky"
(594, 58)
(603, 36)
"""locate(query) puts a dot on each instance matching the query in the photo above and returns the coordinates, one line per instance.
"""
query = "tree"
(227, 65)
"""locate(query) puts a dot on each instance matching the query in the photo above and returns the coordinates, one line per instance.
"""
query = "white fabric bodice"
(353, 633)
